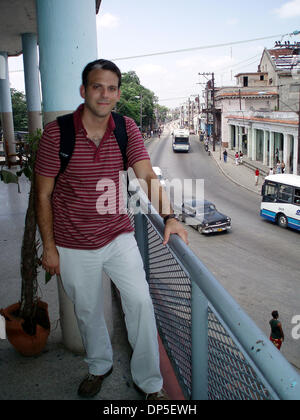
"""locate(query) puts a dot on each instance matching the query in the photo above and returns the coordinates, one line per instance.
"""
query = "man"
(277, 335)
(78, 242)
(256, 176)
(237, 158)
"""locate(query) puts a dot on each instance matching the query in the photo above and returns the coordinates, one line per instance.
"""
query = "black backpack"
(67, 138)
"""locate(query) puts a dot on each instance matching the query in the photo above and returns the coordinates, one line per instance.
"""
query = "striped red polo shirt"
(86, 209)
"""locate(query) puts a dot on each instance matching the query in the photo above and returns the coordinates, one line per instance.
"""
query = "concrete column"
(238, 142)
(229, 136)
(6, 107)
(229, 132)
(265, 148)
(286, 152)
(32, 84)
(272, 146)
(253, 147)
(67, 42)
(295, 158)
(249, 142)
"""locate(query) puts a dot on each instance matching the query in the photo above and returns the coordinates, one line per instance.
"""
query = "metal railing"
(217, 351)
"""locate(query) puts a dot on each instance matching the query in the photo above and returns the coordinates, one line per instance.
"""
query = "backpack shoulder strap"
(67, 139)
(121, 135)
(68, 136)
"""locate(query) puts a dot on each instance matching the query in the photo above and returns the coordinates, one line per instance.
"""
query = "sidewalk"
(242, 174)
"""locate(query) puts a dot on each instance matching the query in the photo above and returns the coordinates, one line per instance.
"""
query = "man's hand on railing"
(173, 226)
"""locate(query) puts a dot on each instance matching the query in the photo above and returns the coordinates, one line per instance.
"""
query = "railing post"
(141, 236)
(199, 344)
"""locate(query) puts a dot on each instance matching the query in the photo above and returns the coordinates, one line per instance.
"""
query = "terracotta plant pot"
(24, 343)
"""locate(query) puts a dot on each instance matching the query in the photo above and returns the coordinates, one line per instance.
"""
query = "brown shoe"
(160, 395)
(91, 385)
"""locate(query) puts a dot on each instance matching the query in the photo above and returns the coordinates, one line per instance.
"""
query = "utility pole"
(189, 114)
(213, 110)
(298, 169)
(207, 117)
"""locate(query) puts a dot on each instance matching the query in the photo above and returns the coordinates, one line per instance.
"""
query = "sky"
(128, 28)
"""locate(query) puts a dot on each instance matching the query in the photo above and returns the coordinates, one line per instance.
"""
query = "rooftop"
(286, 58)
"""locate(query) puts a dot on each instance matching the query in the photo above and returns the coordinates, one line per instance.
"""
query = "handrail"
(281, 379)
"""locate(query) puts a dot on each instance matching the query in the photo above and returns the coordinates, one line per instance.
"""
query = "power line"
(171, 99)
(201, 47)
(241, 62)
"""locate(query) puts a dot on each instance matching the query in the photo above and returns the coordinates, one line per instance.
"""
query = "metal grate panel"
(170, 289)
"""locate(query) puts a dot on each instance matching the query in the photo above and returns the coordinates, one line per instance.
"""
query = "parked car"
(203, 216)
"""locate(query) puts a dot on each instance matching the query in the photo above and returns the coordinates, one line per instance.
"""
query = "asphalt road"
(257, 262)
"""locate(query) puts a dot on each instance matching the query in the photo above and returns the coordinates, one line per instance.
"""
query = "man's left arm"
(143, 170)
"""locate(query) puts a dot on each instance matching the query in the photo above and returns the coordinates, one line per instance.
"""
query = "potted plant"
(27, 321)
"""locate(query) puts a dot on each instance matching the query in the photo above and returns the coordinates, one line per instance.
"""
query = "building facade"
(260, 115)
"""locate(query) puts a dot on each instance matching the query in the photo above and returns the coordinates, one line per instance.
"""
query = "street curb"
(231, 179)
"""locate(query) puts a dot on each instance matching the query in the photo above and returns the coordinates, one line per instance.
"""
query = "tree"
(19, 110)
(162, 112)
(130, 104)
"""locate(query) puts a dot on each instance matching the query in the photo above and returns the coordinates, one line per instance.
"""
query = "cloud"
(289, 10)
(232, 21)
(203, 62)
(107, 20)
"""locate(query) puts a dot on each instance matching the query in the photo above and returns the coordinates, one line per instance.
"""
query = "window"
(285, 194)
(297, 196)
(262, 77)
(209, 208)
(245, 81)
(270, 193)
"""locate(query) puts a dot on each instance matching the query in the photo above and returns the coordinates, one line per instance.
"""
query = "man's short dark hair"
(275, 314)
(100, 64)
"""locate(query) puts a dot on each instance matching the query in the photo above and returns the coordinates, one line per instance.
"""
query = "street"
(257, 262)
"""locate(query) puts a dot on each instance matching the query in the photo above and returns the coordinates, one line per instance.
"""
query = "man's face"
(102, 92)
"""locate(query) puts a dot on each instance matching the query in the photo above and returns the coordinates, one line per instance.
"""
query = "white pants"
(81, 274)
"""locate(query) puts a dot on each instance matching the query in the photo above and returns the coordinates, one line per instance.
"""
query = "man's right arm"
(44, 189)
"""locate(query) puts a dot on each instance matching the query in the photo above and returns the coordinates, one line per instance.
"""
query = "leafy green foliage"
(28, 152)
(130, 103)
(8, 177)
(19, 110)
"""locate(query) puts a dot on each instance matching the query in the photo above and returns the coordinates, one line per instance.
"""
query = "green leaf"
(27, 172)
(9, 177)
(48, 277)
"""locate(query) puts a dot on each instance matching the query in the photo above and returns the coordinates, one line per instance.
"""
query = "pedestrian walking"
(237, 157)
(282, 166)
(278, 167)
(256, 176)
(206, 144)
(241, 156)
(271, 171)
(80, 238)
(225, 155)
(277, 335)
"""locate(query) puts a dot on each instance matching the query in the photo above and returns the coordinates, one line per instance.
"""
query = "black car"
(203, 216)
